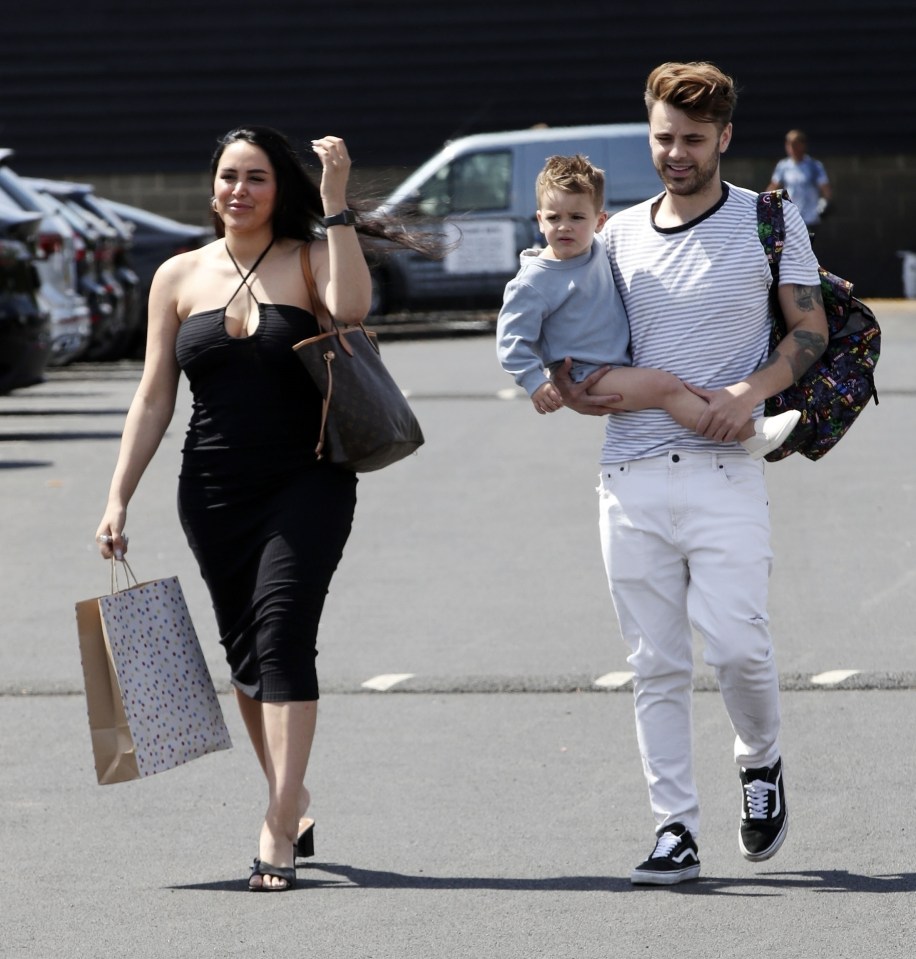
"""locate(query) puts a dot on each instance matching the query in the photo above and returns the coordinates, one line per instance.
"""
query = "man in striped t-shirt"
(684, 521)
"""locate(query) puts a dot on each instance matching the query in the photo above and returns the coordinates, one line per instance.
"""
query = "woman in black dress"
(265, 519)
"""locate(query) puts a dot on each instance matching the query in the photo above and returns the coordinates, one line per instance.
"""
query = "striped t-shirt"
(697, 302)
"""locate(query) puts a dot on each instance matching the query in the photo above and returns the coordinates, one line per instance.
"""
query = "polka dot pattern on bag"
(171, 705)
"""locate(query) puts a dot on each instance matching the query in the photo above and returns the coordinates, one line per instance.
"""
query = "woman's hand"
(335, 172)
(341, 273)
(110, 536)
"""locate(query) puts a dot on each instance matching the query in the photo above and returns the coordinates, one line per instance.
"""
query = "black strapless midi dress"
(266, 520)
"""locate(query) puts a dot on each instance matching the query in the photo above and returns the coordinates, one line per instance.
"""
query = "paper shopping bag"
(150, 698)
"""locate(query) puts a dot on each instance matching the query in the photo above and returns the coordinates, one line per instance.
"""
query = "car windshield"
(474, 182)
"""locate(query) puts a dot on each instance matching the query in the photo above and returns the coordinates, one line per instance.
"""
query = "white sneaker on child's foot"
(770, 432)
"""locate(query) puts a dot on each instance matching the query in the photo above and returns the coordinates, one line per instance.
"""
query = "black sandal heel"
(305, 844)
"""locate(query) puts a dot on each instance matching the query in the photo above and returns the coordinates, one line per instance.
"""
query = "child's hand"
(546, 398)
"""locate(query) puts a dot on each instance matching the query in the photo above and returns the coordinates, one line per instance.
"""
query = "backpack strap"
(771, 227)
(771, 231)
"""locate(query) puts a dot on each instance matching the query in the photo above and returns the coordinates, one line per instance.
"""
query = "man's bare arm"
(805, 340)
(806, 332)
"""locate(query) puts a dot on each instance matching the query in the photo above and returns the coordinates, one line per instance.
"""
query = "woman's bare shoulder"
(289, 249)
(182, 264)
(175, 286)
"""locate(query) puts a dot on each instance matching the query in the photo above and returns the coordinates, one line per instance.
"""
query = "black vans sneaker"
(674, 859)
(764, 817)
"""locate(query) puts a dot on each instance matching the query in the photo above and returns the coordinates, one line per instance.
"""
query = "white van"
(480, 189)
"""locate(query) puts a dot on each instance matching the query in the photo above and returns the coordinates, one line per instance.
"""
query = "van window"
(476, 181)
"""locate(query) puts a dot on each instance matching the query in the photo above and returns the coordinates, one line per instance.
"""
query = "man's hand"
(727, 411)
(576, 396)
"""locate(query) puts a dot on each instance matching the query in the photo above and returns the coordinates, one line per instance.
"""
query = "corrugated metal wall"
(133, 87)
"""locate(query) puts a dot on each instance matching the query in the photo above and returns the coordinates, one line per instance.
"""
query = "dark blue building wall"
(143, 87)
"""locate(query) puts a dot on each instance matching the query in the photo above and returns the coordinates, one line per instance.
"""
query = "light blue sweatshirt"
(559, 308)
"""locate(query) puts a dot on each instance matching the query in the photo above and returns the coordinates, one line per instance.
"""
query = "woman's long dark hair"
(298, 210)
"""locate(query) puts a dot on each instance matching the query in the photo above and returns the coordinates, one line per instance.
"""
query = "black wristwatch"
(344, 218)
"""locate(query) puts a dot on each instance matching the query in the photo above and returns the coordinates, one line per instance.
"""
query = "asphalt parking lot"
(477, 787)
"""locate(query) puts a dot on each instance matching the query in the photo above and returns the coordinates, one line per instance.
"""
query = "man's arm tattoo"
(804, 346)
(809, 347)
(808, 298)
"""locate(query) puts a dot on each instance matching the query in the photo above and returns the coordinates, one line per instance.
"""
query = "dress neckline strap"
(246, 276)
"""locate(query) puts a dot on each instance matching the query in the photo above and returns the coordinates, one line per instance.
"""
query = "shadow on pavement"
(768, 884)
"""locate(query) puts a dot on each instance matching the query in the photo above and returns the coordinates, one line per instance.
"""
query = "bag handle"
(325, 320)
(128, 575)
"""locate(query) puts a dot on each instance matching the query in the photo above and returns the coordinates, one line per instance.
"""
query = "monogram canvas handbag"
(366, 422)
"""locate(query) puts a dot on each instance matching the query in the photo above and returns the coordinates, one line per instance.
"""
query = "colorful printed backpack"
(838, 386)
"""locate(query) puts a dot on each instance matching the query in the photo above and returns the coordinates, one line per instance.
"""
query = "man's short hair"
(700, 89)
(571, 175)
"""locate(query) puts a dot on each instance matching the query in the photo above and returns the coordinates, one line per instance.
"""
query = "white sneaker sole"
(670, 878)
(771, 850)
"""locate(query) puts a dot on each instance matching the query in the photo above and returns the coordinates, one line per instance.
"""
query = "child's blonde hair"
(572, 175)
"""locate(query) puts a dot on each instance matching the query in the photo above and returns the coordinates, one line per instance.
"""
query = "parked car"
(24, 324)
(19, 224)
(122, 264)
(55, 260)
(155, 239)
(89, 283)
(479, 191)
(112, 238)
(98, 278)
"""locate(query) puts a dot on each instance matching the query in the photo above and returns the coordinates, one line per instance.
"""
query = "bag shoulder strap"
(771, 231)
(771, 227)
(325, 320)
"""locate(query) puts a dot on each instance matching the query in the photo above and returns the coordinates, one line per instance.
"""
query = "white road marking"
(510, 393)
(386, 680)
(833, 677)
(613, 680)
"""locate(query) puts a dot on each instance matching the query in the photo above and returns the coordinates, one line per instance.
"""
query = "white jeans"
(686, 542)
